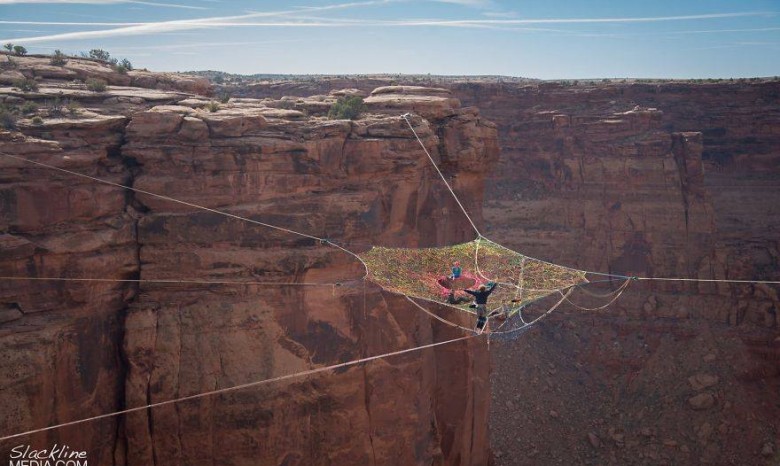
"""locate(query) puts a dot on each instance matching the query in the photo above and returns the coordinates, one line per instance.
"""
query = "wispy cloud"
(294, 19)
(66, 23)
(500, 14)
(169, 5)
(719, 31)
(131, 29)
(207, 45)
(104, 2)
(671, 34)
(769, 45)
(472, 3)
(644, 19)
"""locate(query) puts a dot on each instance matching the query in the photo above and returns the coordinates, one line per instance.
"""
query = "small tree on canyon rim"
(346, 108)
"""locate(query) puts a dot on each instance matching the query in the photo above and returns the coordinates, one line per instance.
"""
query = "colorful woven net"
(419, 273)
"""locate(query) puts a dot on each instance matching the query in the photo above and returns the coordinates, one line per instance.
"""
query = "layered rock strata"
(663, 179)
(79, 349)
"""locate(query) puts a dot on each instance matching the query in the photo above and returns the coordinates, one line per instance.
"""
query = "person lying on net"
(480, 299)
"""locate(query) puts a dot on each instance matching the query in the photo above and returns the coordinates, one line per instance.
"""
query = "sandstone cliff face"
(79, 349)
(739, 144)
(584, 180)
(655, 180)
(60, 341)
(672, 179)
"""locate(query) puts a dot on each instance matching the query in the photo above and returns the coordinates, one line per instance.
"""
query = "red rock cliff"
(80, 349)
(673, 180)
(664, 179)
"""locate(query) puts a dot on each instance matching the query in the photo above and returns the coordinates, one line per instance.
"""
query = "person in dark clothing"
(480, 298)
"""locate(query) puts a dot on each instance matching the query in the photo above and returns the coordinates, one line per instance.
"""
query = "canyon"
(78, 349)
(652, 180)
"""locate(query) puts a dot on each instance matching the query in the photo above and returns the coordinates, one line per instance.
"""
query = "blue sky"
(539, 39)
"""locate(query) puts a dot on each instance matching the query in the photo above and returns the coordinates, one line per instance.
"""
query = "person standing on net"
(480, 299)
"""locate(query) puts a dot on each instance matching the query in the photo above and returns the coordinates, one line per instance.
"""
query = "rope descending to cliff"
(240, 387)
(189, 204)
(708, 280)
(406, 116)
(178, 281)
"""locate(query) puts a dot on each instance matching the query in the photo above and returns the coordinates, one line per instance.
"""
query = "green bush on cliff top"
(96, 85)
(58, 58)
(346, 108)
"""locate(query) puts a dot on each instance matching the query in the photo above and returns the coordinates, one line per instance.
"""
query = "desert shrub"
(26, 85)
(73, 107)
(19, 50)
(126, 64)
(99, 54)
(37, 120)
(8, 117)
(8, 64)
(58, 58)
(96, 85)
(28, 108)
(224, 97)
(202, 88)
(56, 106)
(347, 108)
(9, 46)
(120, 69)
(212, 106)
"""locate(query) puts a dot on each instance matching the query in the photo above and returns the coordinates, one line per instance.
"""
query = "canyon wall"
(668, 180)
(78, 349)
(664, 180)
(659, 179)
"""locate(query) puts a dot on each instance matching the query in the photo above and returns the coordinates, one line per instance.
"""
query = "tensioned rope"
(325, 241)
(239, 387)
(520, 281)
(617, 293)
(189, 204)
(406, 116)
(564, 297)
(212, 392)
(708, 280)
(440, 319)
(176, 281)
(607, 294)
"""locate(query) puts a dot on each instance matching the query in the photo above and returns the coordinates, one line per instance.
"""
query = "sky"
(545, 39)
